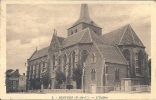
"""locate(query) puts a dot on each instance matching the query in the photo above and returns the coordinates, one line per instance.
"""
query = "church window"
(71, 32)
(93, 74)
(136, 57)
(140, 62)
(106, 69)
(64, 63)
(117, 72)
(53, 62)
(73, 59)
(45, 66)
(84, 56)
(75, 30)
(95, 31)
(93, 58)
(37, 71)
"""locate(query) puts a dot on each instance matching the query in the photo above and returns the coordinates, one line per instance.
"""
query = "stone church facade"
(117, 58)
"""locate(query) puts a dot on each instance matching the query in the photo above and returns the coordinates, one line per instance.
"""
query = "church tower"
(83, 22)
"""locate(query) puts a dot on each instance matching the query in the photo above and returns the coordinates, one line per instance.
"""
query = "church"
(89, 60)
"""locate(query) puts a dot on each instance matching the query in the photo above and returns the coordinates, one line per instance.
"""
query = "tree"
(60, 77)
(77, 76)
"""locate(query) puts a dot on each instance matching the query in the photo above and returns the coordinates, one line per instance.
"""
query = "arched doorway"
(127, 55)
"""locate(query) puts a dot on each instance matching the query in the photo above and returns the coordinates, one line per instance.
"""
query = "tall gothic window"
(33, 76)
(71, 32)
(117, 72)
(37, 68)
(93, 74)
(64, 63)
(126, 53)
(44, 66)
(73, 59)
(93, 58)
(84, 55)
(140, 62)
(53, 60)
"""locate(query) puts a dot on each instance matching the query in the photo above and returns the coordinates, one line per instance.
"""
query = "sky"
(32, 25)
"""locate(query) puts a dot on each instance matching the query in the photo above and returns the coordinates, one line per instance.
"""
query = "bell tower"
(83, 22)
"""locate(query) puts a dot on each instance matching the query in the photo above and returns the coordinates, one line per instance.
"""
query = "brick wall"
(73, 29)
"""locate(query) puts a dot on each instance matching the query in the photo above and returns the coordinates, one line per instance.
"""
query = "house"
(14, 81)
(114, 59)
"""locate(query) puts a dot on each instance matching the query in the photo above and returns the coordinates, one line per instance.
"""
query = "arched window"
(37, 69)
(117, 72)
(45, 66)
(93, 74)
(93, 58)
(71, 32)
(73, 59)
(53, 60)
(64, 63)
(84, 55)
(75, 30)
(126, 53)
(140, 62)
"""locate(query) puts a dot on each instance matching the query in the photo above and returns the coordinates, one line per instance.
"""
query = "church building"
(89, 60)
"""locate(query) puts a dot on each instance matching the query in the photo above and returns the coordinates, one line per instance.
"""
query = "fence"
(140, 88)
(137, 88)
(56, 91)
(106, 89)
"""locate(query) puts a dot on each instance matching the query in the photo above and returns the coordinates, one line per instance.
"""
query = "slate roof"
(122, 36)
(60, 39)
(40, 53)
(112, 54)
(84, 36)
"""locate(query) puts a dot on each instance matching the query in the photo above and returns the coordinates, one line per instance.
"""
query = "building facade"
(87, 59)
(14, 81)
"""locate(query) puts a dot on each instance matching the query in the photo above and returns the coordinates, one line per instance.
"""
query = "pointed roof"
(60, 39)
(111, 53)
(122, 36)
(84, 17)
(40, 53)
(84, 36)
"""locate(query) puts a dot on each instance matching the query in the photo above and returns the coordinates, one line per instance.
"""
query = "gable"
(55, 45)
(111, 53)
(122, 36)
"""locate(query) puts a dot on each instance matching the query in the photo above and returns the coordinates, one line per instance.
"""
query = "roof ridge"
(132, 34)
(90, 36)
(98, 49)
(121, 54)
(33, 54)
(71, 36)
(98, 36)
(116, 29)
(137, 37)
(123, 33)
(82, 35)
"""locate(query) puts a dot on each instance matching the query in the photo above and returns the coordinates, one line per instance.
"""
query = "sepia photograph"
(78, 48)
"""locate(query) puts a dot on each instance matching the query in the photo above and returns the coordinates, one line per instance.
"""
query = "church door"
(93, 88)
